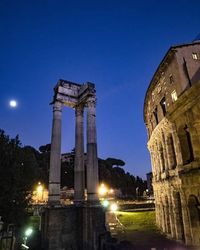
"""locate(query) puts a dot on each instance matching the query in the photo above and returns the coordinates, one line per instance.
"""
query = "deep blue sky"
(115, 44)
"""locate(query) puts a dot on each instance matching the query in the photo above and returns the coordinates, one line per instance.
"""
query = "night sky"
(115, 44)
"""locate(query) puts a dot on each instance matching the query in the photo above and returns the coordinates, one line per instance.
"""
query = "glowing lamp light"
(28, 232)
(102, 190)
(40, 188)
(105, 203)
(114, 207)
(111, 191)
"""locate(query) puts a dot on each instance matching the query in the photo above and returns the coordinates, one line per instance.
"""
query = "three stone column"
(79, 169)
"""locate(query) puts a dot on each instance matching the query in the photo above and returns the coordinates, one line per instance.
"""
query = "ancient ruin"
(172, 118)
(81, 225)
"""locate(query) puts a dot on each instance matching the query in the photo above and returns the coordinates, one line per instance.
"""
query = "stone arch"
(194, 211)
(180, 234)
(194, 214)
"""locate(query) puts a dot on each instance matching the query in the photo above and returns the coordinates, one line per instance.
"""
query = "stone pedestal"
(73, 227)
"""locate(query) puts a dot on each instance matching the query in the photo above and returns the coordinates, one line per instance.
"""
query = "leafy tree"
(17, 175)
(115, 162)
(45, 148)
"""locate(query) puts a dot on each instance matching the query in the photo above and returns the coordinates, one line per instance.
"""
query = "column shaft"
(55, 159)
(92, 160)
(79, 172)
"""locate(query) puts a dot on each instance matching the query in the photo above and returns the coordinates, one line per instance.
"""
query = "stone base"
(74, 227)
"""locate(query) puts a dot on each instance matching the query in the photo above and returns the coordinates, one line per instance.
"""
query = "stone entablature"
(174, 142)
(77, 96)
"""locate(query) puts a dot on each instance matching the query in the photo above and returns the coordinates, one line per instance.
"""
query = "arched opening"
(155, 113)
(179, 218)
(186, 145)
(167, 216)
(194, 213)
(189, 143)
(163, 106)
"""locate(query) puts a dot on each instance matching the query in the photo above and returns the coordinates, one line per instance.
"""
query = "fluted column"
(79, 172)
(92, 160)
(55, 158)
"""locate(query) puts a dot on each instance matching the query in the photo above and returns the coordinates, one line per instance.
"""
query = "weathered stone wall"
(73, 227)
(174, 145)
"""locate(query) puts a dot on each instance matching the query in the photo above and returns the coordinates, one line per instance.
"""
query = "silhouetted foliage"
(22, 167)
(115, 162)
(17, 175)
(45, 148)
(116, 177)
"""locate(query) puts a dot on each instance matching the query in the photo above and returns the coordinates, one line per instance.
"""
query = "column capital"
(91, 101)
(79, 109)
(57, 106)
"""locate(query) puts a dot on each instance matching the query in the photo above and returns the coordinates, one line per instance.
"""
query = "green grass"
(138, 221)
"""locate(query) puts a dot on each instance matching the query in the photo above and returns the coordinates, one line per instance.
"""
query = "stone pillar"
(157, 162)
(163, 218)
(92, 160)
(55, 158)
(165, 156)
(172, 219)
(79, 171)
(161, 159)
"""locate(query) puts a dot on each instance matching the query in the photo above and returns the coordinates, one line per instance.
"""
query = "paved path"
(145, 240)
(141, 240)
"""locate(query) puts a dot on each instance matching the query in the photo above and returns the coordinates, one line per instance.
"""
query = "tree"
(17, 176)
(115, 162)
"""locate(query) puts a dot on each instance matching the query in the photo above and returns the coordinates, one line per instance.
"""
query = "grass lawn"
(140, 229)
(138, 221)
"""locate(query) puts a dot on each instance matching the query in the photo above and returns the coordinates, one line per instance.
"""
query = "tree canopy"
(17, 175)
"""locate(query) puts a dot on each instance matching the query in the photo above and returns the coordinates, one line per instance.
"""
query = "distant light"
(114, 207)
(39, 188)
(13, 103)
(102, 190)
(28, 232)
(111, 191)
(105, 203)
